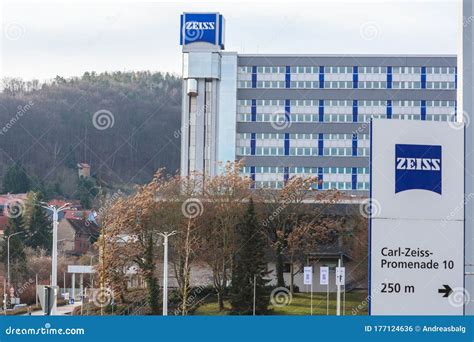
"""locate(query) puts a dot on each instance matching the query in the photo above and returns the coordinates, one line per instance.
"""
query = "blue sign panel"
(201, 27)
(418, 167)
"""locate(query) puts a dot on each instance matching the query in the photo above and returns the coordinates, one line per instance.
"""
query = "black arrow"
(447, 290)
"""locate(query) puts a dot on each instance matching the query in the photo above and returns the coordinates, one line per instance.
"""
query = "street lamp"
(8, 258)
(165, 236)
(54, 253)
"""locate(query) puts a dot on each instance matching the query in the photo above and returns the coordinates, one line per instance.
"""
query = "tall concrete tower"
(209, 105)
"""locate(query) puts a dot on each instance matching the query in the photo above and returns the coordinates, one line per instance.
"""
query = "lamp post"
(8, 258)
(165, 236)
(54, 253)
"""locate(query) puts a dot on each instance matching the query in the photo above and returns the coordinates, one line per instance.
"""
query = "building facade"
(298, 115)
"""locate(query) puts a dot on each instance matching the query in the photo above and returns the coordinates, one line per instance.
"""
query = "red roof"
(60, 202)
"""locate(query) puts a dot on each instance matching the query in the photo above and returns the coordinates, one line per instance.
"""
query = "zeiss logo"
(201, 27)
(196, 25)
(418, 167)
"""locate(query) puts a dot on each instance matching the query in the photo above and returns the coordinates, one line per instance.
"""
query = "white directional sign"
(324, 275)
(417, 218)
(340, 275)
(80, 269)
(308, 275)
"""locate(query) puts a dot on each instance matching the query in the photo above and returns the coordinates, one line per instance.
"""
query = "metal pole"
(8, 258)
(254, 292)
(311, 296)
(54, 251)
(327, 298)
(165, 277)
(5, 296)
(8, 262)
(165, 236)
(344, 301)
(338, 310)
(36, 294)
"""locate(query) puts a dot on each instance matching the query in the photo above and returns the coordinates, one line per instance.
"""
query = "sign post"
(340, 280)
(324, 280)
(308, 280)
(416, 218)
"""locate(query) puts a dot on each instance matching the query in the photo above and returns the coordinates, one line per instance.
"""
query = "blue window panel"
(355, 78)
(253, 144)
(287, 77)
(355, 111)
(320, 144)
(254, 77)
(286, 174)
(254, 110)
(320, 178)
(354, 178)
(455, 111)
(252, 176)
(287, 111)
(389, 77)
(354, 145)
(423, 110)
(321, 77)
(389, 109)
(321, 110)
(220, 30)
(456, 77)
(287, 144)
(423, 77)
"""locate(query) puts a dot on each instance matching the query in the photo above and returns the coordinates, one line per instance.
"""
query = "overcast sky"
(44, 39)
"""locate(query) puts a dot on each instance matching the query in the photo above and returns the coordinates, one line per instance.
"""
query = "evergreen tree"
(18, 265)
(37, 224)
(249, 266)
(16, 180)
(86, 191)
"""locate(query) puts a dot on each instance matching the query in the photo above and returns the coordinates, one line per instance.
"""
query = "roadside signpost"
(324, 280)
(416, 218)
(308, 280)
(340, 281)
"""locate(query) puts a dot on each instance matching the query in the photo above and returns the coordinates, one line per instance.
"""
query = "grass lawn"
(301, 305)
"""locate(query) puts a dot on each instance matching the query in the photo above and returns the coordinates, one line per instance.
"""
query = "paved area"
(61, 310)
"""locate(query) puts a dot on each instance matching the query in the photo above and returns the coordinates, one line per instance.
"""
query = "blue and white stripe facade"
(307, 115)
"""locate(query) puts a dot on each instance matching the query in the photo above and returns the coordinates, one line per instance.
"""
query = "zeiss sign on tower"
(202, 28)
